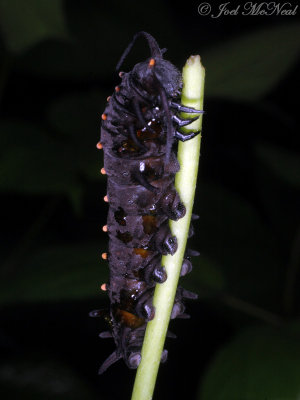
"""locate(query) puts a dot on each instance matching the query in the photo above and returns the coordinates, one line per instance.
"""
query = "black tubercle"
(139, 133)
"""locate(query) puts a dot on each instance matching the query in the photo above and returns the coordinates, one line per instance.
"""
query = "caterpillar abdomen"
(138, 133)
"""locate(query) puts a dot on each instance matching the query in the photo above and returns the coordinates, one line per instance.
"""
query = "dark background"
(57, 68)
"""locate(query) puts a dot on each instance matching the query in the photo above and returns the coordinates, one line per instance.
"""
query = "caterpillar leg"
(165, 243)
(171, 335)
(144, 307)
(159, 274)
(133, 137)
(133, 360)
(191, 231)
(138, 112)
(186, 267)
(183, 122)
(154, 272)
(177, 310)
(182, 108)
(164, 356)
(105, 335)
(187, 294)
(141, 179)
(192, 253)
(114, 357)
(172, 206)
(186, 136)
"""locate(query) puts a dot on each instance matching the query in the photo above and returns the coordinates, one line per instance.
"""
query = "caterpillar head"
(157, 74)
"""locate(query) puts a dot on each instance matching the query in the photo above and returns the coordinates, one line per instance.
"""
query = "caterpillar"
(139, 131)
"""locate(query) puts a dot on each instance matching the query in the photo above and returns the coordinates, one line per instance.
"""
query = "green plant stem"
(185, 183)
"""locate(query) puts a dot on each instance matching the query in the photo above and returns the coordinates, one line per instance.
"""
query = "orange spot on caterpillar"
(104, 117)
(129, 319)
(104, 228)
(103, 172)
(149, 224)
(104, 256)
(151, 63)
(141, 252)
(103, 287)
(105, 198)
(99, 146)
(117, 88)
(108, 98)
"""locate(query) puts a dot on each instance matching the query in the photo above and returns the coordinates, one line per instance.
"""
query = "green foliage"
(233, 236)
(57, 273)
(247, 67)
(26, 23)
(28, 151)
(207, 277)
(41, 376)
(80, 129)
(260, 363)
(94, 27)
(32, 162)
(282, 163)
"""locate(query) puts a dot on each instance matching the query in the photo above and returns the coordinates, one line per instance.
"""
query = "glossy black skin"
(132, 95)
(143, 88)
(139, 129)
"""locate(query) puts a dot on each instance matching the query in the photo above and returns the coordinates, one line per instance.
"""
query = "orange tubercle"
(104, 228)
(103, 172)
(105, 198)
(117, 88)
(108, 98)
(103, 287)
(104, 256)
(99, 146)
(104, 117)
(151, 63)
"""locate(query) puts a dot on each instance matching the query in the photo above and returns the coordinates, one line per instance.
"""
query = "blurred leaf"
(275, 173)
(39, 376)
(247, 67)
(32, 162)
(232, 235)
(281, 162)
(56, 273)
(26, 23)
(206, 276)
(78, 117)
(97, 29)
(65, 117)
(258, 364)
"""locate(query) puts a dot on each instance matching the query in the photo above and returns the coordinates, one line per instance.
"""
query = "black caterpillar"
(138, 134)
